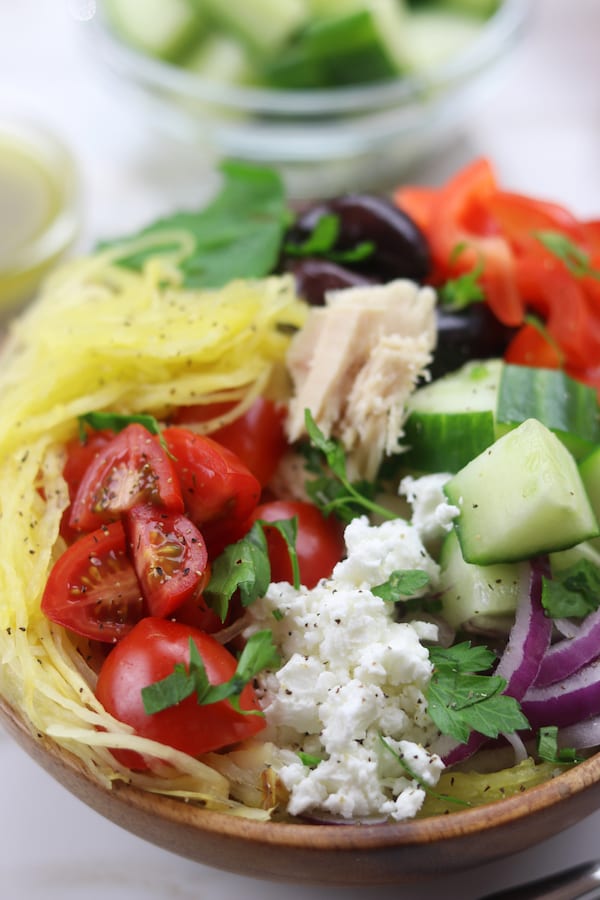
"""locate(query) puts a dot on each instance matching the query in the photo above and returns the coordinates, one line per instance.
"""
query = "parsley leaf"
(402, 584)
(238, 235)
(322, 241)
(460, 292)
(116, 422)
(309, 760)
(258, 654)
(332, 491)
(572, 592)
(460, 701)
(549, 751)
(423, 784)
(575, 259)
(245, 566)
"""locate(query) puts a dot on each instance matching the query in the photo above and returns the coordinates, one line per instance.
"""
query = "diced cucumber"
(521, 497)
(568, 407)
(322, 9)
(562, 559)
(589, 469)
(472, 594)
(333, 51)
(454, 418)
(263, 25)
(433, 36)
(480, 8)
(451, 420)
(220, 58)
(164, 28)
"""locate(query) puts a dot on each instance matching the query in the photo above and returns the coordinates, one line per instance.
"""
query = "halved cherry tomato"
(319, 542)
(93, 589)
(219, 491)
(150, 653)
(132, 468)
(80, 455)
(257, 436)
(169, 556)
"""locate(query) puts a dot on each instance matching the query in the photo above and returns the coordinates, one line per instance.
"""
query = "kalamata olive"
(401, 250)
(470, 333)
(315, 276)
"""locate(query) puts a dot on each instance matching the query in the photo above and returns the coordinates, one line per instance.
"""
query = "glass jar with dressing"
(39, 215)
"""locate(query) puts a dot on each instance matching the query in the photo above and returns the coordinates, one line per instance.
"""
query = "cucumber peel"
(453, 419)
(521, 497)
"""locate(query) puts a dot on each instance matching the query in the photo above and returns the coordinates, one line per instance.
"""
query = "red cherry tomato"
(257, 436)
(80, 455)
(132, 468)
(93, 589)
(319, 543)
(150, 653)
(169, 556)
(219, 491)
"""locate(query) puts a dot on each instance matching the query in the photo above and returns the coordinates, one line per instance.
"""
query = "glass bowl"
(325, 141)
(39, 216)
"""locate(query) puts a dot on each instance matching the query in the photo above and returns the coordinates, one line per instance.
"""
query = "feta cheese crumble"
(350, 689)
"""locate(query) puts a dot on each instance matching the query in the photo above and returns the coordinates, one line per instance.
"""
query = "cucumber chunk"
(335, 51)
(265, 26)
(478, 596)
(164, 28)
(453, 419)
(568, 407)
(521, 497)
(589, 469)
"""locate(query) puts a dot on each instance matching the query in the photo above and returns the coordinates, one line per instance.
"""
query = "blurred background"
(528, 100)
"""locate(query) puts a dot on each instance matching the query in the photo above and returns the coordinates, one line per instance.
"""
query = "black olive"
(315, 276)
(401, 250)
(470, 333)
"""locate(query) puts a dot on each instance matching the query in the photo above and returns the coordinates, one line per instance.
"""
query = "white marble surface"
(542, 131)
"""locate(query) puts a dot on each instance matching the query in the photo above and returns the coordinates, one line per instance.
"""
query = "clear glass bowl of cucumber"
(338, 94)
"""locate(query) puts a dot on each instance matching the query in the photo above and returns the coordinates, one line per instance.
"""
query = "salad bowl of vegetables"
(338, 97)
(300, 528)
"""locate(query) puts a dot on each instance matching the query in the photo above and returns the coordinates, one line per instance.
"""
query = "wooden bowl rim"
(462, 823)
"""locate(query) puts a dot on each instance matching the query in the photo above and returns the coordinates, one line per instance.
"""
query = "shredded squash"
(101, 337)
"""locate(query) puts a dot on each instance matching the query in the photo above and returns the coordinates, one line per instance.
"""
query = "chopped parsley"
(460, 700)
(258, 654)
(573, 592)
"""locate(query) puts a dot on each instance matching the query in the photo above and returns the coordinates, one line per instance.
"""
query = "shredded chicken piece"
(355, 363)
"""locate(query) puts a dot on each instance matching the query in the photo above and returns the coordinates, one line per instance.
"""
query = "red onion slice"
(570, 654)
(566, 702)
(528, 641)
(582, 735)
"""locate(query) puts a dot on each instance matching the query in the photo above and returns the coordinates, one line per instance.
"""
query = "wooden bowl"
(328, 854)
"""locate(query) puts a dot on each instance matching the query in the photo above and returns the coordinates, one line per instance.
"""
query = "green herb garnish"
(423, 784)
(322, 241)
(573, 592)
(258, 654)
(238, 235)
(575, 259)
(401, 585)
(117, 422)
(460, 701)
(309, 759)
(245, 566)
(332, 491)
(549, 751)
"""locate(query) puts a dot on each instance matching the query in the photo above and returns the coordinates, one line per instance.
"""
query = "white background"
(542, 132)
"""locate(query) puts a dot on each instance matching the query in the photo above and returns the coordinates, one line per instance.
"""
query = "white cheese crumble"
(351, 678)
(432, 515)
